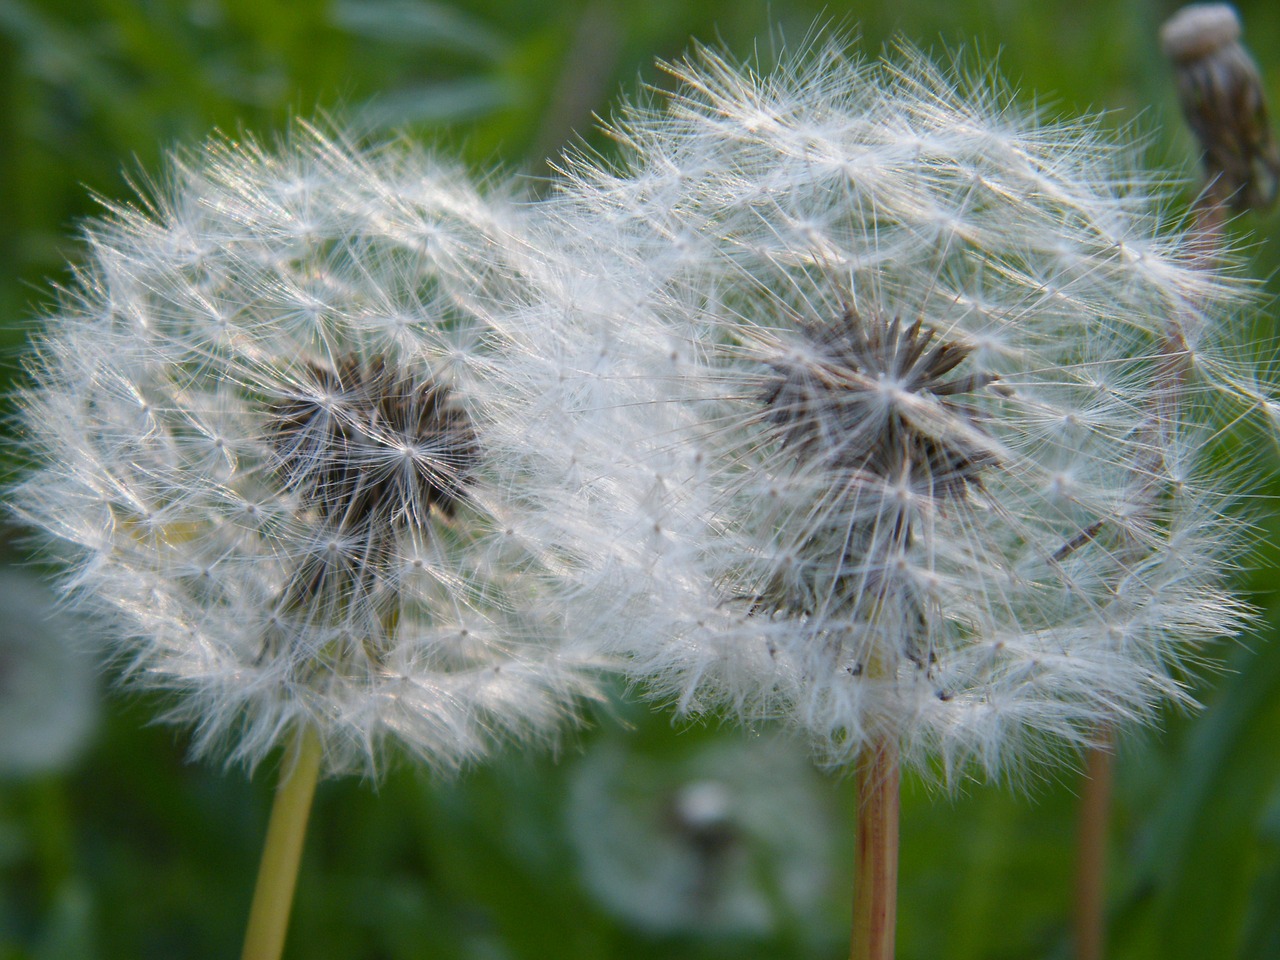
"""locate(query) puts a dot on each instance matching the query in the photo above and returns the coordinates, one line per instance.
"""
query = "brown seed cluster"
(843, 407)
(374, 450)
(367, 444)
(875, 407)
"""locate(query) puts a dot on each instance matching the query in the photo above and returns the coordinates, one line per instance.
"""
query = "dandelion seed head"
(934, 463)
(266, 432)
(48, 695)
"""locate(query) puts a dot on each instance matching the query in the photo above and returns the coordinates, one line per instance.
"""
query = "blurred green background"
(635, 842)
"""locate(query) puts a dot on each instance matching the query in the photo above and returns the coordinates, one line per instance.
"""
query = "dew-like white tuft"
(261, 426)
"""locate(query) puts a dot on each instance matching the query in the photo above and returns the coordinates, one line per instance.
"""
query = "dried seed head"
(718, 840)
(48, 697)
(1223, 100)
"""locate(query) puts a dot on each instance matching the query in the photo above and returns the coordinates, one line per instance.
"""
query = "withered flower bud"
(1223, 100)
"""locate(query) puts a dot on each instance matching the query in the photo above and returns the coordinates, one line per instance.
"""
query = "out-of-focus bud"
(1223, 101)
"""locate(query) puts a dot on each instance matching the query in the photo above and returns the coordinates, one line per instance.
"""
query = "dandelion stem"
(278, 873)
(1091, 853)
(875, 881)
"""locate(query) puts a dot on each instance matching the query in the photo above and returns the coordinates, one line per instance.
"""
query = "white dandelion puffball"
(261, 426)
(908, 387)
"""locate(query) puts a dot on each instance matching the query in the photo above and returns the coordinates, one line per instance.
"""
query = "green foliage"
(135, 853)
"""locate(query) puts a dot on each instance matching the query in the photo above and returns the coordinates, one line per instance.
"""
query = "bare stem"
(1091, 854)
(282, 852)
(875, 882)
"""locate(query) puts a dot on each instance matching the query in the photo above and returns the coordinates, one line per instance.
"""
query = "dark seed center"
(847, 405)
(368, 444)
(876, 408)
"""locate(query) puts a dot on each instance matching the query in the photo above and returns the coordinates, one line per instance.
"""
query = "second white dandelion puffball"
(910, 388)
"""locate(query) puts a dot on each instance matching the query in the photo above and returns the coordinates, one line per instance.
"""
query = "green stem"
(875, 882)
(282, 852)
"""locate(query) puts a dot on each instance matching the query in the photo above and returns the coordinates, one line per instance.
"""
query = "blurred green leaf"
(435, 103)
(1200, 849)
(424, 25)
